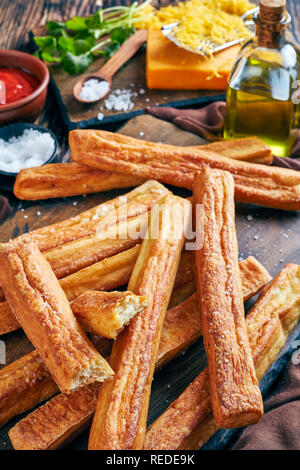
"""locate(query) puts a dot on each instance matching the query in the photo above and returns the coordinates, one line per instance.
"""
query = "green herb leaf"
(121, 34)
(55, 28)
(66, 43)
(46, 44)
(76, 64)
(76, 24)
(50, 58)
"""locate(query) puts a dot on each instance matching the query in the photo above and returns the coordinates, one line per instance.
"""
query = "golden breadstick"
(235, 395)
(98, 218)
(41, 307)
(126, 400)
(250, 149)
(188, 422)
(106, 313)
(67, 179)
(182, 323)
(260, 184)
(181, 326)
(108, 274)
(79, 254)
(23, 384)
(123, 207)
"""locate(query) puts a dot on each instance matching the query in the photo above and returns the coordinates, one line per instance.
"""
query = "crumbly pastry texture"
(106, 313)
(41, 307)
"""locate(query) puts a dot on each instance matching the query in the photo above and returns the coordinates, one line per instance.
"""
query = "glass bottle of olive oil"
(259, 95)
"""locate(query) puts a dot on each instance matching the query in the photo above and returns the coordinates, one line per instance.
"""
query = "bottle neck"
(271, 21)
(268, 36)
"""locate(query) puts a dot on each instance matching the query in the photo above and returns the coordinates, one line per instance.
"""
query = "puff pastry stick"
(236, 398)
(108, 274)
(41, 307)
(182, 323)
(249, 149)
(260, 184)
(181, 327)
(67, 179)
(79, 254)
(123, 207)
(121, 414)
(188, 422)
(106, 313)
(23, 384)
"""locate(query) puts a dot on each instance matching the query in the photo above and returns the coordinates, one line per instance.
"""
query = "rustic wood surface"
(271, 236)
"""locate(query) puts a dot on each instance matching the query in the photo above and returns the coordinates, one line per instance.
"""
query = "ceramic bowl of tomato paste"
(24, 81)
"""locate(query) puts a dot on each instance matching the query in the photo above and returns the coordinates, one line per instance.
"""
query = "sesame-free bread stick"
(41, 307)
(235, 395)
(254, 183)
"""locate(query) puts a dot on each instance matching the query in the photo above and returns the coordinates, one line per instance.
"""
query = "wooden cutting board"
(131, 77)
(271, 236)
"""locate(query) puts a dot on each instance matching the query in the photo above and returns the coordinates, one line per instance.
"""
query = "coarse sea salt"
(93, 89)
(119, 100)
(32, 148)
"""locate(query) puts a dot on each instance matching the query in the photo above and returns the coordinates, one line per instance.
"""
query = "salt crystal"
(32, 148)
(93, 89)
(249, 217)
(38, 213)
(100, 116)
(25, 216)
(75, 203)
(141, 134)
(119, 100)
(284, 235)
(142, 91)
(256, 237)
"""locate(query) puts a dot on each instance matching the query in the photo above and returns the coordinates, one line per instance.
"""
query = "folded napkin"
(279, 428)
(208, 122)
(5, 209)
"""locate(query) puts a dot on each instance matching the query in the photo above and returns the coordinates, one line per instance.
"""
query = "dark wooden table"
(271, 236)
(17, 17)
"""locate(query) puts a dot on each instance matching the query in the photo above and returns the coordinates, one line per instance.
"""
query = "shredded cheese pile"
(217, 21)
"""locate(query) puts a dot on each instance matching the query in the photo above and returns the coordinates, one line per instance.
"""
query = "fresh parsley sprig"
(75, 43)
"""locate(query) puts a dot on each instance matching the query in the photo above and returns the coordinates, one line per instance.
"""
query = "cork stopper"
(271, 11)
(269, 25)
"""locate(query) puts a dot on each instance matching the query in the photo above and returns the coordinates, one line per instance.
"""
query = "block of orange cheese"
(172, 68)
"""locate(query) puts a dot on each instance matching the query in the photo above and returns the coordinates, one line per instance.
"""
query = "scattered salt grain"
(256, 237)
(25, 216)
(284, 235)
(249, 217)
(75, 203)
(94, 89)
(38, 213)
(100, 116)
(32, 148)
(141, 134)
(142, 91)
(119, 100)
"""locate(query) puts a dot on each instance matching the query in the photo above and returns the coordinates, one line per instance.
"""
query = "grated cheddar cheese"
(217, 21)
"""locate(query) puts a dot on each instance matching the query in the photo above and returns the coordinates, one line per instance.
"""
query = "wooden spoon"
(126, 51)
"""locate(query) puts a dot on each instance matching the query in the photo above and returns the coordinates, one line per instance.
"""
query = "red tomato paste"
(17, 83)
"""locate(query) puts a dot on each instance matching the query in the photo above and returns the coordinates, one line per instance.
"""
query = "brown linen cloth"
(5, 209)
(279, 428)
(209, 121)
